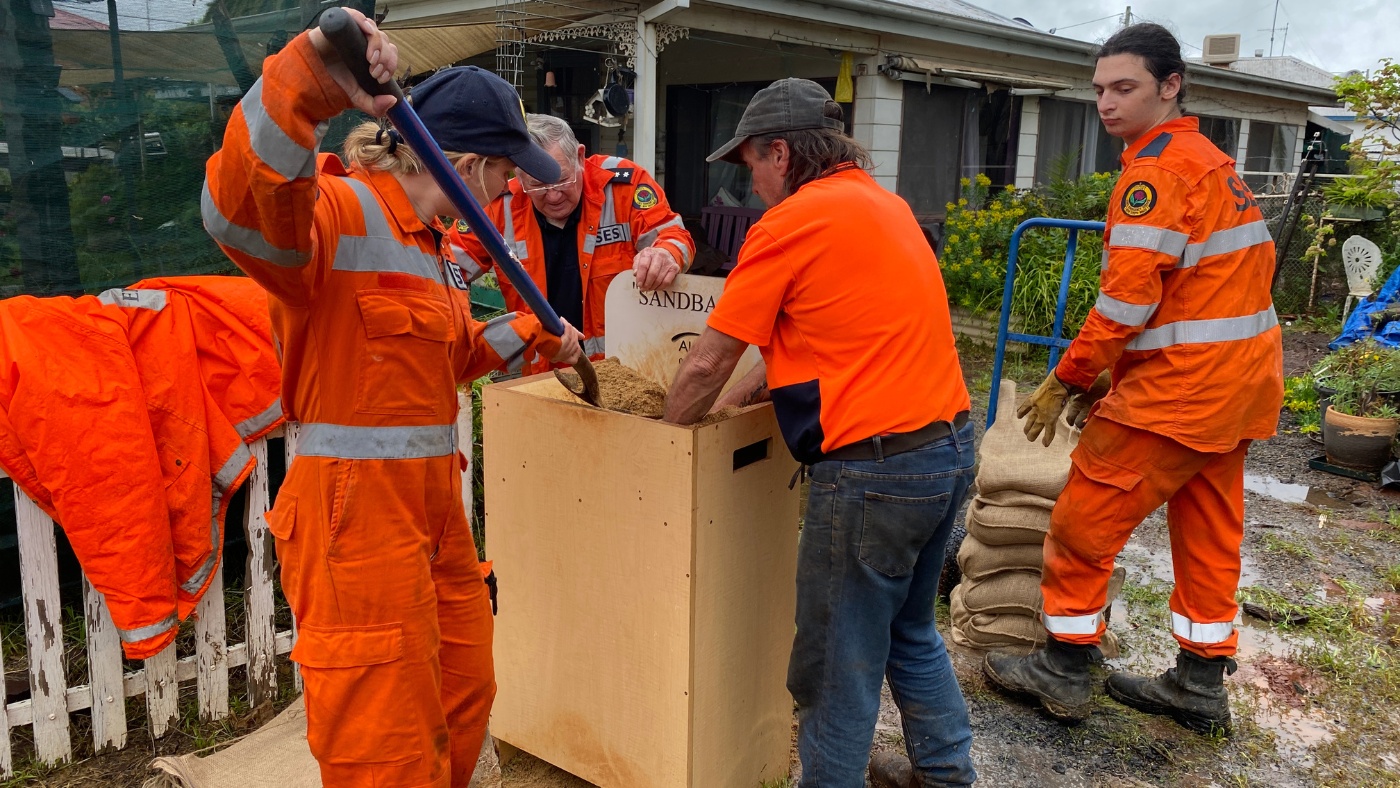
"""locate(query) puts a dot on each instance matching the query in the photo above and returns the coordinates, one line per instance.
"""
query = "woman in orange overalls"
(378, 560)
(1185, 321)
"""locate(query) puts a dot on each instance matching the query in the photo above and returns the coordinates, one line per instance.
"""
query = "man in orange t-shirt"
(841, 293)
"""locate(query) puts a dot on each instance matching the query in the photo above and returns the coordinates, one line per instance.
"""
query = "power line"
(1090, 22)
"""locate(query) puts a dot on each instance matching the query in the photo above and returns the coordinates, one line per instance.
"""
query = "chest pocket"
(405, 367)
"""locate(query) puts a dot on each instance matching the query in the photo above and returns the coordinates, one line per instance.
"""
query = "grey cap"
(790, 104)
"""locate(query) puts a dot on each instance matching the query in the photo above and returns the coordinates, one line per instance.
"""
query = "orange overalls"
(1186, 320)
(624, 212)
(377, 556)
(124, 417)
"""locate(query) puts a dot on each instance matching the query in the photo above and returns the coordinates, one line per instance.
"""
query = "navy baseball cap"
(470, 110)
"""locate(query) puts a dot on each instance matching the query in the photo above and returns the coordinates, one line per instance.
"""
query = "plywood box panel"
(646, 590)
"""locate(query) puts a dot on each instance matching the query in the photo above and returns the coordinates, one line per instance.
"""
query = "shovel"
(349, 41)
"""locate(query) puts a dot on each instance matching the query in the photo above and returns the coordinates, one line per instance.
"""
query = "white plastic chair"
(1361, 258)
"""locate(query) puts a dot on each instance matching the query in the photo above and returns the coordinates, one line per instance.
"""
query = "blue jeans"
(867, 576)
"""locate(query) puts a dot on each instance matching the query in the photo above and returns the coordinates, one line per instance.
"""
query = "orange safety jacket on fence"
(1185, 315)
(624, 211)
(125, 418)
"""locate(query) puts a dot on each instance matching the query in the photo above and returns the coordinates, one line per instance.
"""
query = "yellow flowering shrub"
(977, 239)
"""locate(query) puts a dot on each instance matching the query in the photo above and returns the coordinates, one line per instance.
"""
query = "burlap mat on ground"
(979, 561)
(275, 756)
(1007, 461)
(1006, 525)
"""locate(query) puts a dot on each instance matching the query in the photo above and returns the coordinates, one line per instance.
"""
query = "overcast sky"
(1338, 36)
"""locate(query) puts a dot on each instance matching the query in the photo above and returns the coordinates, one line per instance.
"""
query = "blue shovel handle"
(349, 41)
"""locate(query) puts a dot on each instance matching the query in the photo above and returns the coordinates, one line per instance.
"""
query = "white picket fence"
(51, 700)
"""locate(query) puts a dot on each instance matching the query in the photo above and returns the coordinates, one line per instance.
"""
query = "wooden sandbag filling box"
(646, 589)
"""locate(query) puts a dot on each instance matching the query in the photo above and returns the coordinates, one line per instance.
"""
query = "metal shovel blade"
(588, 378)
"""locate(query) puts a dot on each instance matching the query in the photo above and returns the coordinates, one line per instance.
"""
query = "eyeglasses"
(545, 188)
(532, 186)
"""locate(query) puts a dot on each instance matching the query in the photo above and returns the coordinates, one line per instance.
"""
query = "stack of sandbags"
(998, 604)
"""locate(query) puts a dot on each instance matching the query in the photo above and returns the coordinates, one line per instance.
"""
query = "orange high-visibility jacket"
(375, 326)
(624, 211)
(1184, 315)
(125, 418)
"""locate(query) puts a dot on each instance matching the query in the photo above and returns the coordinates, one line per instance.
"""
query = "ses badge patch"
(1139, 199)
(644, 197)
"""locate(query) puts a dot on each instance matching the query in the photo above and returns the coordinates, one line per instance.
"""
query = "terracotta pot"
(1357, 441)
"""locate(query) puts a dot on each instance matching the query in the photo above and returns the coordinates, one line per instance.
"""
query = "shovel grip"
(352, 46)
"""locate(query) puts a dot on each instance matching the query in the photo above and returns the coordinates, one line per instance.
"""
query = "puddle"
(1158, 564)
(1271, 487)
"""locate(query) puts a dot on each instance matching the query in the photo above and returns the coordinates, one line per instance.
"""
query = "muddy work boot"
(1058, 675)
(891, 770)
(1192, 693)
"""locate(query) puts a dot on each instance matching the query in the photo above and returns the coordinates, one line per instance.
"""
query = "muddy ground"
(1316, 703)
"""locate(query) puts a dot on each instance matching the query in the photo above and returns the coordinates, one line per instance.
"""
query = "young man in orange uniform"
(842, 294)
(378, 561)
(604, 215)
(1186, 323)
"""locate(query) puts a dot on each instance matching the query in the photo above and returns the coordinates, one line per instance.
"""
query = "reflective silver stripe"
(235, 464)
(1124, 312)
(1145, 236)
(609, 215)
(271, 144)
(153, 300)
(1205, 634)
(502, 338)
(1071, 625)
(252, 426)
(1226, 241)
(1195, 332)
(649, 237)
(516, 365)
(376, 443)
(595, 345)
(197, 579)
(378, 249)
(520, 247)
(1103, 260)
(244, 239)
(376, 223)
(612, 161)
(589, 244)
(142, 633)
(471, 269)
(684, 250)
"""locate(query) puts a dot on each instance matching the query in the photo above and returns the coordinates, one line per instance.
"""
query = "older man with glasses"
(605, 215)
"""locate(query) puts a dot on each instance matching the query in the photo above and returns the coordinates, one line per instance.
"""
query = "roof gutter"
(895, 19)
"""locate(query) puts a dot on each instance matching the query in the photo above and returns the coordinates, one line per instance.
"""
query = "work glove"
(1044, 408)
(1077, 410)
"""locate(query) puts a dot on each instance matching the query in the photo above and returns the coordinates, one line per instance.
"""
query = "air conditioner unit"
(1221, 50)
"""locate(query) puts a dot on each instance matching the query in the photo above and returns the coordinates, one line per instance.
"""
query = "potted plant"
(1360, 424)
(1365, 196)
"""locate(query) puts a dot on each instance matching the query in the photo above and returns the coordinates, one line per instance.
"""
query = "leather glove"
(1077, 410)
(1044, 408)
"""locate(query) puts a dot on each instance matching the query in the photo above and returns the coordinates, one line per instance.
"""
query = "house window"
(699, 119)
(948, 133)
(1072, 142)
(1224, 132)
(1270, 147)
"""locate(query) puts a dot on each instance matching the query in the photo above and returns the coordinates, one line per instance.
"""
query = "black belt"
(881, 446)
